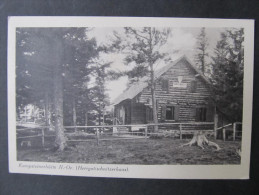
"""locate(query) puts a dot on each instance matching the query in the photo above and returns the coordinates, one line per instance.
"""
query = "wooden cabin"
(182, 95)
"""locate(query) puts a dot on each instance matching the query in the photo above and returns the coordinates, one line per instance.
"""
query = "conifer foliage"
(142, 47)
(201, 51)
(54, 66)
(228, 72)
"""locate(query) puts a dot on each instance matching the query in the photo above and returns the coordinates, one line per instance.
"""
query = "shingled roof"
(138, 87)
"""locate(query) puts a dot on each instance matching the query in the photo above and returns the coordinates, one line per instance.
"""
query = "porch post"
(215, 125)
(234, 131)
(97, 136)
(146, 132)
(42, 137)
(224, 134)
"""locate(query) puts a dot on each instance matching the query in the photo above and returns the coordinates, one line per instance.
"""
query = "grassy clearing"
(152, 151)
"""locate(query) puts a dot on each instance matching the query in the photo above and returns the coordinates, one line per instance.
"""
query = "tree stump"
(200, 139)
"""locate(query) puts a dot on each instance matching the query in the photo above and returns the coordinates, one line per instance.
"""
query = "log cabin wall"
(138, 113)
(193, 94)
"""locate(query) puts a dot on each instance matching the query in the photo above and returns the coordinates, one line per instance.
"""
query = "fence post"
(215, 126)
(181, 136)
(146, 133)
(234, 131)
(97, 135)
(42, 137)
(224, 134)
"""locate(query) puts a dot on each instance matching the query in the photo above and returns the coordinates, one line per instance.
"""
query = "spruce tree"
(142, 49)
(228, 70)
(201, 49)
(54, 61)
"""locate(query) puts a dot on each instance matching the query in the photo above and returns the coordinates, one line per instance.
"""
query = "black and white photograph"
(130, 97)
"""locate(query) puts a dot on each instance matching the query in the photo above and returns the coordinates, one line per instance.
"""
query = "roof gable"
(138, 87)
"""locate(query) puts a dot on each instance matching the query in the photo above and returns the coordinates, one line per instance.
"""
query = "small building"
(182, 94)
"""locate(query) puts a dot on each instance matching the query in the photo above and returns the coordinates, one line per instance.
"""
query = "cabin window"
(193, 86)
(169, 113)
(165, 85)
(201, 114)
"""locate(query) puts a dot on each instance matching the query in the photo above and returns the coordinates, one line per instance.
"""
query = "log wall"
(138, 115)
(185, 98)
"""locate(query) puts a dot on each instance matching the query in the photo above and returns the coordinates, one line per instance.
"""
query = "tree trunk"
(86, 118)
(74, 111)
(99, 114)
(154, 99)
(99, 118)
(150, 61)
(58, 97)
(47, 110)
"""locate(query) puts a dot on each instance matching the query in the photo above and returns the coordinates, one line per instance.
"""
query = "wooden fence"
(99, 131)
(39, 130)
(234, 130)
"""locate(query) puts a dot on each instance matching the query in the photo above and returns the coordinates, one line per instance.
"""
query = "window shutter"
(165, 85)
(157, 106)
(176, 113)
(163, 112)
(197, 116)
(193, 86)
(210, 114)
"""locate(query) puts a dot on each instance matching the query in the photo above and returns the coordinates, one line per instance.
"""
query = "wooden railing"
(233, 129)
(98, 134)
(39, 130)
(144, 134)
(181, 126)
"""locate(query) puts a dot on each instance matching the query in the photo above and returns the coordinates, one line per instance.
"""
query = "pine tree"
(100, 97)
(202, 46)
(142, 50)
(54, 61)
(228, 70)
(78, 70)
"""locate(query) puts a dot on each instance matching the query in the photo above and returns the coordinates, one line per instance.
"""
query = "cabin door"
(122, 115)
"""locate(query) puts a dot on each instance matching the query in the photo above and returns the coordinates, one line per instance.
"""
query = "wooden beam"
(224, 134)
(215, 125)
(43, 137)
(234, 131)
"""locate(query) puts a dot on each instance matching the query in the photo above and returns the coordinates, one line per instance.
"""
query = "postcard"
(130, 97)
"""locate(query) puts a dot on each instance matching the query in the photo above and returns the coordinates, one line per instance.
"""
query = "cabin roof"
(138, 87)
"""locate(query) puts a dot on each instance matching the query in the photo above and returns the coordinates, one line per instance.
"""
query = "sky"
(182, 39)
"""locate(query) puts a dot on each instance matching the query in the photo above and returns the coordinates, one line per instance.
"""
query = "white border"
(133, 171)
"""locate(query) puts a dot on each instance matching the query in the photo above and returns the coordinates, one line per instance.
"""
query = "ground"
(152, 151)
